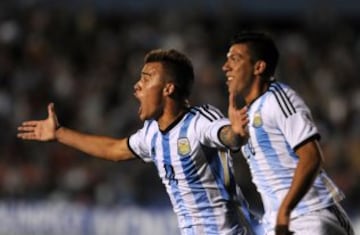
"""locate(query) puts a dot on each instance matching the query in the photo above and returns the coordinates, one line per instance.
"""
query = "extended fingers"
(243, 111)
(26, 135)
(29, 123)
(26, 128)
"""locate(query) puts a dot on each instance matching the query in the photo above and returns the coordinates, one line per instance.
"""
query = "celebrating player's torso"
(201, 187)
(279, 123)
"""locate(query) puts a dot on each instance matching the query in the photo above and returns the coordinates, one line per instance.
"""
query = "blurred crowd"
(87, 63)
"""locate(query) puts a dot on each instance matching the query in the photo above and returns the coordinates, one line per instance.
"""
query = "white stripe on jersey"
(188, 161)
(279, 122)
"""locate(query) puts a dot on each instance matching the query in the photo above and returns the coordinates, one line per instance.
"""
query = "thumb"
(232, 100)
(52, 115)
(51, 110)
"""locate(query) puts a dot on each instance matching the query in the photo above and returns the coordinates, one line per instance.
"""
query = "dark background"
(86, 56)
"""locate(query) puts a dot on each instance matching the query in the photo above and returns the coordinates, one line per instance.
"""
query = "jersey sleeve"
(137, 143)
(293, 118)
(208, 124)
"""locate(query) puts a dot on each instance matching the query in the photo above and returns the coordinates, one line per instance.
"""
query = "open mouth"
(139, 101)
(139, 110)
(229, 79)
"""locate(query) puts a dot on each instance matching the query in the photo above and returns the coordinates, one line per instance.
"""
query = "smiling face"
(149, 90)
(239, 69)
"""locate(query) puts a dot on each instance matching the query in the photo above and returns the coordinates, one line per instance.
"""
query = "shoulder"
(207, 112)
(283, 98)
(150, 126)
(149, 123)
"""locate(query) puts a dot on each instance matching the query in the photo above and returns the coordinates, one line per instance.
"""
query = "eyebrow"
(233, 54)
(145, 73)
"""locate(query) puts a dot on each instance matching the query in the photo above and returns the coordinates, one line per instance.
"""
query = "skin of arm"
(310, 161)
(231, 139)
(97, 146)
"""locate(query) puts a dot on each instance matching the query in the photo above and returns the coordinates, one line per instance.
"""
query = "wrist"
(282, 229)
(58, 129)
(58, 126)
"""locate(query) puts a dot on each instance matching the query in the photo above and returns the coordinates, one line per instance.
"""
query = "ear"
(259, 67)
(169, 89)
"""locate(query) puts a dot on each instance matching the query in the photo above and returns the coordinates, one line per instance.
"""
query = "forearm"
(303, 179)
(97, 146)
(308, 167)
(230, 139)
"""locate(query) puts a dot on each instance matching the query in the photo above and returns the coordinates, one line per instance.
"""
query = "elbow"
(318, 159)
(117, 156)
(317, 165)
(113, 156)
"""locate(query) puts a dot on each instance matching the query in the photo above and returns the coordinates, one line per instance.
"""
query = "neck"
(256, 90)
(172, 111)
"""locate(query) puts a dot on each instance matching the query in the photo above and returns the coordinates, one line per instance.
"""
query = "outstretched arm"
(98, 146)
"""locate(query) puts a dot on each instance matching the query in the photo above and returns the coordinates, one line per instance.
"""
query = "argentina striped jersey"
(188, 156)
(280, 122)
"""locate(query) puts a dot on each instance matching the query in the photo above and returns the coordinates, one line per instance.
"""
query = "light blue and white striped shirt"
(280, 121)
(195, 168)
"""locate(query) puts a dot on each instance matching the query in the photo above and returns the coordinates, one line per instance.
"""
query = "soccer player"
(184, 143)
(282, 147)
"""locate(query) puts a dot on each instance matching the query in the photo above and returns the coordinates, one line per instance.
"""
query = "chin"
(148, 116)
(142, 118)
(145, 117)
(232, 90)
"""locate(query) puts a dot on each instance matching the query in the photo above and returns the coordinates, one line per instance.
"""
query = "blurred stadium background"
(86, 55)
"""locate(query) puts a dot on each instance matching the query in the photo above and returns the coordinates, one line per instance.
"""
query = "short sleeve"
(293, 118)
(137, 142)
(208, 124)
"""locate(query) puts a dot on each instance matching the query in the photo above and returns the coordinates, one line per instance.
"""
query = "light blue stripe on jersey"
(174, 187)
(213, 158)
(200, 197)
(259, 172)
(271, 156)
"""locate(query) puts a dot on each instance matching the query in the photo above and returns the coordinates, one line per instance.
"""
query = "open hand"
(40, 130)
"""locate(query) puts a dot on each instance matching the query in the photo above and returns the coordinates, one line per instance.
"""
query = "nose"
(225, 67)
(137, 86)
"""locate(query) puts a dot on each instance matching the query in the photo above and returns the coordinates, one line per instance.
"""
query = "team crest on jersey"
(257, 121)
(183, 146)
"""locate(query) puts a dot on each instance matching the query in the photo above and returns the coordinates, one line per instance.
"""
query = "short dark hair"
(178, 66)
(261, 47)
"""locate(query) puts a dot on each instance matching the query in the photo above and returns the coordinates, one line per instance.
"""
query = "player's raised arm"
(238, 116)
(236, 134)
(98, 146)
